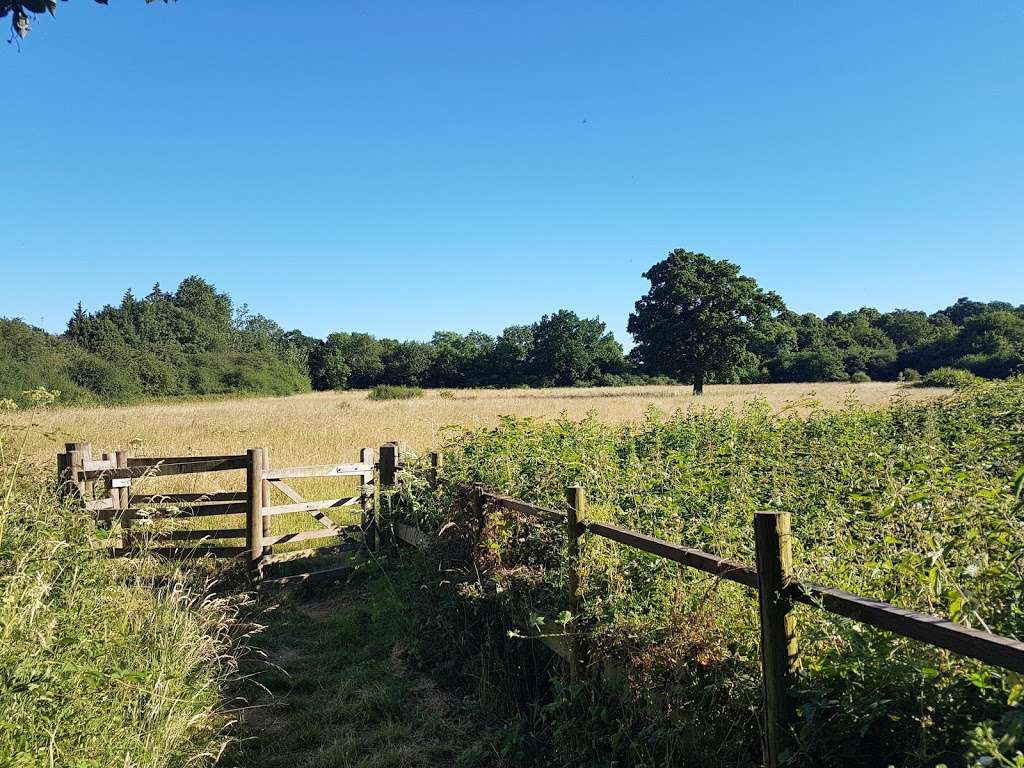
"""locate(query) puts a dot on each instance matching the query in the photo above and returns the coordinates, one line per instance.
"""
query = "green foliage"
(955, 378)
(909, 375)
(392, 392)
(917, 504)
(191, 342)
(100, 663)
(859, 377)
(698, 318)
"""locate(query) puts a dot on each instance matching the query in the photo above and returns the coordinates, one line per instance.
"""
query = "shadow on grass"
(336, 688)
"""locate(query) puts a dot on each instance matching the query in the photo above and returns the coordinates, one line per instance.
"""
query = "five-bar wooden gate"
(149, 521)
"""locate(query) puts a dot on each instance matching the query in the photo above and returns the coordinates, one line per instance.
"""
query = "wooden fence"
(105, 488)
(776, 589)
(771, 578)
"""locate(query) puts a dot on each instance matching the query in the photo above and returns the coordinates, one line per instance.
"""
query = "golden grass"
(330, 427)
(325, 427)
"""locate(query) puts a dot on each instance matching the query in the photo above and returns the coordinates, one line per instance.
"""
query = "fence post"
(122, 501)
(265, 501)
(577, 499)
(124, 493)
(367, 522)
(780, 662)
(63, 475)
(388, 466)
(435, 468)
(75, 462)
(254, 511)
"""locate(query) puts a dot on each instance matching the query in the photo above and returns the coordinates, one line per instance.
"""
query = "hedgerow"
(917, 504)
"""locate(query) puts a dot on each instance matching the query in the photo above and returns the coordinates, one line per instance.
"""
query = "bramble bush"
(917, 504)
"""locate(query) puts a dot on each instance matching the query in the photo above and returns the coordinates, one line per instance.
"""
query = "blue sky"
(401, 167)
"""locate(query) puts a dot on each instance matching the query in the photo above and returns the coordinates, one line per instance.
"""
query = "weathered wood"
(516, 505)
(76, 486)
(387, 468)
(313, 577)
(162, 470)
(152, 461)
(265, 498)
(368, 522)
(210, 510)
(435, 468)
(694, 558)
(100, 504)
(780, 659)
(411, 535)
(254, 512)
(323, 470)
(199, 535)
(63, 476)
(287, 490)
(88, 486)
(123, 490)
(188, 499)
(996, 650)
(185, 553)
(576, 498)
(99, 466)
(288, 538)
(310, 506)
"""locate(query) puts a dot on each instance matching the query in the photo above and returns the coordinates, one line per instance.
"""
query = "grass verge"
(102, 662)
(337, 687)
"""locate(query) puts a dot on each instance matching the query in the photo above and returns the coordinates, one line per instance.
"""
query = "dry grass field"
(331, 426)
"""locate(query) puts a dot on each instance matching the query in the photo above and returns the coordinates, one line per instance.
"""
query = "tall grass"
(915, 504)
(102, 662)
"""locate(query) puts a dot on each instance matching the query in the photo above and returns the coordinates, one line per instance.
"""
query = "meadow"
(331, 426)
(900, 493)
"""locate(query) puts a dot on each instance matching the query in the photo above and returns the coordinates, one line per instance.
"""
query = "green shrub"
(393, 392)
(955, 378)
(909, 375)
(859, 377)
(913, 504)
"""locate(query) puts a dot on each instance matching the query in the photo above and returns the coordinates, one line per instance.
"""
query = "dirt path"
(338, 690)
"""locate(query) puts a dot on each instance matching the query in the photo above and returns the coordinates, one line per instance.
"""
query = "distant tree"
(698, 318)
(24, 10)
(570, 350)
(360, 354)
(511, 355)
(406, 363)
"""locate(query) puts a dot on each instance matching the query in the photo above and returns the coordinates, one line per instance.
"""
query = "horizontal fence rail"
(779, 643)
(83, 477)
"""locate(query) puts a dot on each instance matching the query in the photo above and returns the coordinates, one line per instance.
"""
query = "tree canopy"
(699, 318)
(701, 321)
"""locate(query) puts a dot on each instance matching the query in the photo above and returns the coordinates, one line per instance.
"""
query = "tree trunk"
(698, 383)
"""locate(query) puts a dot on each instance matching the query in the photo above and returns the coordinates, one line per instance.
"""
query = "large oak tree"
(698, 318)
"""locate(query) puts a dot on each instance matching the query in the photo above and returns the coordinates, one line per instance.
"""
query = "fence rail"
(113, 476)
(777, 590)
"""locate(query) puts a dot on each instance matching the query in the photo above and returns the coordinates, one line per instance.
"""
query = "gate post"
(254, 510)
(367, 522)
(387, 467)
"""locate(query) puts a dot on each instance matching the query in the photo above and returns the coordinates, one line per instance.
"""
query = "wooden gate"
(240, 523)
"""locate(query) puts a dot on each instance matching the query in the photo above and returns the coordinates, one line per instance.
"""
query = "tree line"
(701, 321)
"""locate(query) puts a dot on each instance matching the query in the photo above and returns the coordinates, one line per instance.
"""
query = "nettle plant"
(917, 504)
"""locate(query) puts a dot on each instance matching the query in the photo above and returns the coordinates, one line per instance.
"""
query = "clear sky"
(401, 167)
